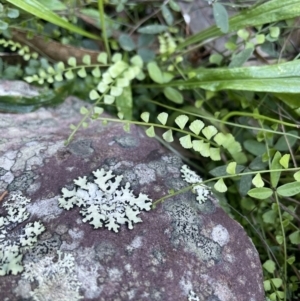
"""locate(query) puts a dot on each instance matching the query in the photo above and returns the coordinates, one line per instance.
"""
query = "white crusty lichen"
(57, 280)
(193, 297)
(12, 239)
(191, 177)
(104, 201)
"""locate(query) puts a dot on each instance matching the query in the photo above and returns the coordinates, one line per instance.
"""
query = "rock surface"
(182, 249)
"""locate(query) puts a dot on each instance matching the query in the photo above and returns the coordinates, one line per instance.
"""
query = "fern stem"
(104, 34)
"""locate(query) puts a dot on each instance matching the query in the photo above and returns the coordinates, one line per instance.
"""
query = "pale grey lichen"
(13, 242)
(191, 177)
(57, 280)
(193, 296)
(104, 201)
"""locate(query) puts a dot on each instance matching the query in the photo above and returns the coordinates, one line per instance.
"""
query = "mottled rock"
(182, 249)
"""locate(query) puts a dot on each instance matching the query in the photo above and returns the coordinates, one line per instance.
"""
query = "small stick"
(3, 195)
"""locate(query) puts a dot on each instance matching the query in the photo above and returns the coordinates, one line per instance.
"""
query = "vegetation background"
(215, 81)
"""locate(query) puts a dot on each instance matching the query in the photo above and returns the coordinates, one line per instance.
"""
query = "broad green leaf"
(94, 95)
(261, 193)
(277, 78)
(279, 239)
(168, 136)
(150, 132)
(295, 237)
(116, 69)
(117, 57)
(72, 127)
(267, 12)
(82, 73)
(231, 168)
(36, 8)
(284, 160)
(109, 99)
(54, 4)
(60, 67)
(181, 121)
(209, 131)
(214, 153)
(102, 58)
(242, 57)
(269, 265)
(145, 116)
(173, 94)
(116, 91)
(155, 72)
(220, 138)
(254, 147)
(257, 181)
(152, 29)
(291, 259)
(122, 82)
(163, 117)
(85, 125)
(277, 282)
(220, 186)
(167, 14)
(84, 111)
(126, 42)
(72, 62)
(102, 87)
(186, 142)
(174, 5)
(267, 285)
(281, 144)
(196, 126)
(201, 147)
(275, 176)
(297, 176)
(289, 189)
(167, 77)
(221, 17)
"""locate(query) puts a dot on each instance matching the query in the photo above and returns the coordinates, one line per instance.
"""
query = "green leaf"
(81, 72)
(279, 239)
(163, 117)
(241, 58)
(173, 95)
(102, 58)
(94, 95)
(102, 87)
(34, 7)
(231, 168)
(221, 17)
(209, 131)
(186, 142)
(220, 186)
(281, 144)
(254, 147)
(150, 132)
(60, 67)
(261, 193)
(174, 5)
(155, 72)
(126, 127)
(196, 126)
(86, 59)
(284, 160)
(289, 189)
(152, 29)
(168, 136)
(269, 217)
(69, 74)
(297, 176)
(72, 61)
(98, 110)
(117, 57)
(126, 42)
(12, 13)
(181, 121)
(109, 99)
(116, 91)
(137, 61)
(124, 103)
(275, 176)
(167, 14)
(214, 153)
(295, 237)
(145, 116)
(122, 82)
(269, 265)
(96, 72)
(277, 282)
(84, 111)
(257, 181)
(267, 285)
(201, 147)
(291, 259)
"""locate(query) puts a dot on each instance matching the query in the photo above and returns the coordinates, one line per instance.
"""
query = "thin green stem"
(103, 27)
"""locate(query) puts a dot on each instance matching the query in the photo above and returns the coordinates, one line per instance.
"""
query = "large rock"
(184, 249)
